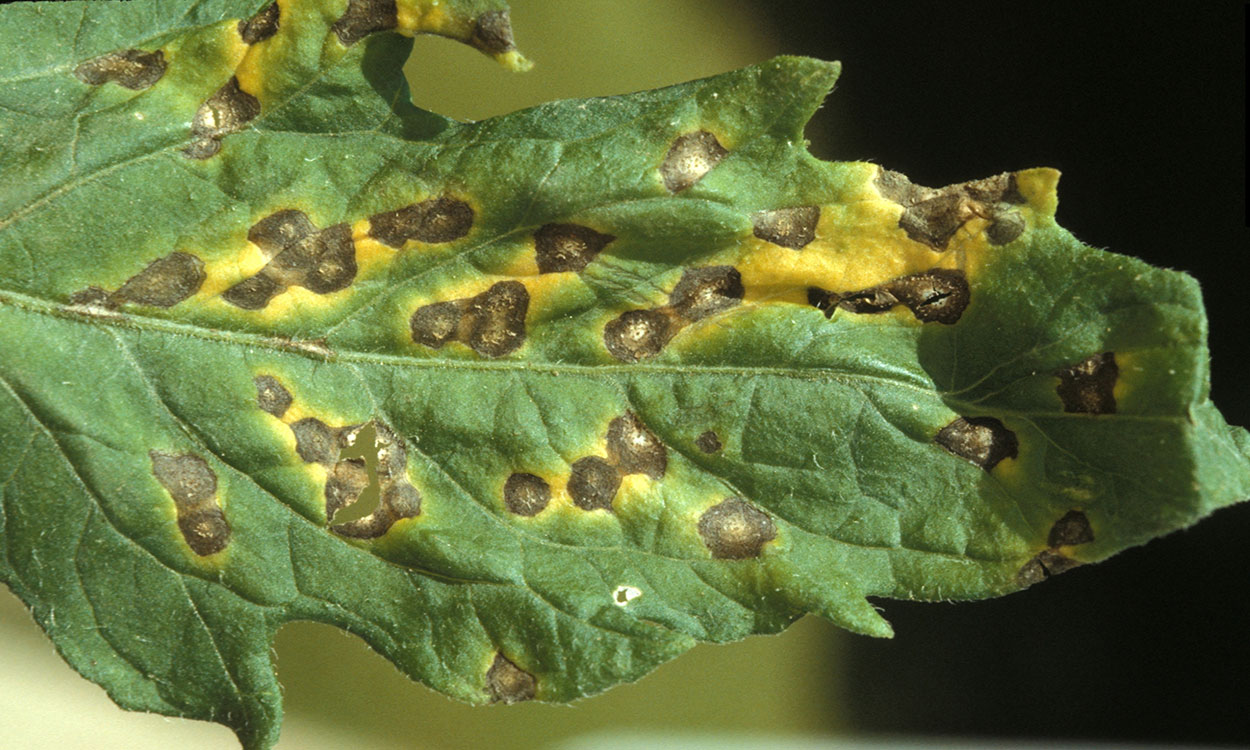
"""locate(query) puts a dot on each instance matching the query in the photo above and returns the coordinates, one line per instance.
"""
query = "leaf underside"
(638, 371)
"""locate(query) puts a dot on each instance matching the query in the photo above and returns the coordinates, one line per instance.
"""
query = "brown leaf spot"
(1088, 387)
(279, 230)
(94, 296)
(205, 530)
(1006, 227)
(261, 26)
(708, 442)
(132, 68)
(934, 216)
(431, 221)
(187, 477)
(315, 441)
(788, 227)
(392, 455)
(689, 158)
(364, 17)
(271, 396)
(999, 188)
(734, 530)
(225, 112)
(634, 449)
(164, 282)
(896, 187)
(637, 334)
(526, 494)
(492, 32)
(435, 324)
(253, 293)
(397, 498)
(935, 221)
(320, 261)
(567, 247)
(398, 501)
(1043, 565)
(344, 484)
(402, 500)
(593, 483)
(491, 323)
(939, 295)
(497, 318)
(333, 264)
(508, 683)
(1073, 528)
(193, 486)
(706, 291)
(982, 440)
(875, 300)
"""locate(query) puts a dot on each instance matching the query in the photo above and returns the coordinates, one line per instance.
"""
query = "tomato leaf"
(612, 376)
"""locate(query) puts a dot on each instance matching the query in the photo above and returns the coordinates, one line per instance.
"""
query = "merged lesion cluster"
(192, 484)
(347, 477)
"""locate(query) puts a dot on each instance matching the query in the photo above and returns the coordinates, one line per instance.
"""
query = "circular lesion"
(733, 529)
(526, 494)
(638, 334)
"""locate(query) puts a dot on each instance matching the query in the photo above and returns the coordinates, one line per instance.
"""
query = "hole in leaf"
(364, 447)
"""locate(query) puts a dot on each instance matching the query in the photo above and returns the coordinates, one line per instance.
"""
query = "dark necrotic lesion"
(567, 247)
(492, 32)
(708, 442)
(1043, 565)
(349, 475)
(365, 17)
(939, 295)
(934, 216)
(634, 448)
(689, 158)
(227, 111)
(134, 69)
(984, 441)
(433, 221)
(261, 26)
(700, 293)
(272, 396)
(1071, 529)
(1088, 387)
(638, 334)
(435, 324)
(526, 494)
(735, 530)
(491, 323)
(794, 228)
(508, 683)
(164, 282)
(192, 484)
(321, 261)
(593, 483)
(316, 442)
(497, 319)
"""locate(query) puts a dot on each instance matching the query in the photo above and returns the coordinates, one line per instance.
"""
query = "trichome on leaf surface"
(638, 371)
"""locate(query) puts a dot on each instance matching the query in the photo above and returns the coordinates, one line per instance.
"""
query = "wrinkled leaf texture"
(642, 371)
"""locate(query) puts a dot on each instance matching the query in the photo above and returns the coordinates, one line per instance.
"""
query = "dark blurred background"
(1143, 109)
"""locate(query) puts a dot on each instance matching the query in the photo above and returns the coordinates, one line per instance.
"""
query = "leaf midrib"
(303, 348)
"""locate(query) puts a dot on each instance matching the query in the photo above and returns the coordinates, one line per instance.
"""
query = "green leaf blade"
(643, 371)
